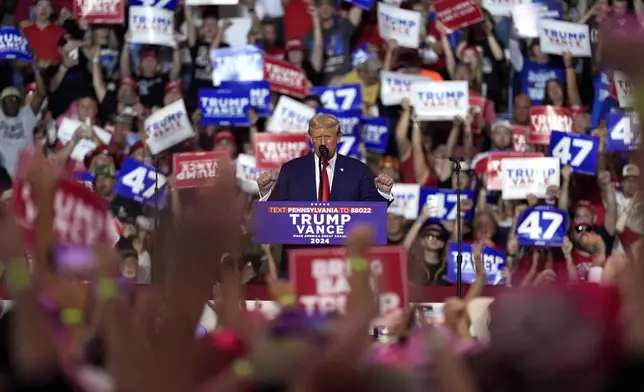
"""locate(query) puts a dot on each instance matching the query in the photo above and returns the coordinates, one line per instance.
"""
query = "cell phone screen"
(74, 259)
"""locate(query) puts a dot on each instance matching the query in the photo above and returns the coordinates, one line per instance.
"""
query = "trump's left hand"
(384, 183)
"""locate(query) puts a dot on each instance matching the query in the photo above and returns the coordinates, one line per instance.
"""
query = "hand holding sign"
(542, 225)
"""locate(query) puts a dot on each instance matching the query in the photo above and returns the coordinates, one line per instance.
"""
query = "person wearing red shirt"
(43, 36)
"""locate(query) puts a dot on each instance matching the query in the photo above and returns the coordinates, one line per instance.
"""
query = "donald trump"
(325, 175)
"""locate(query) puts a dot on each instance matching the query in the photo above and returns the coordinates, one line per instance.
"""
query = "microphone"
(324, 152)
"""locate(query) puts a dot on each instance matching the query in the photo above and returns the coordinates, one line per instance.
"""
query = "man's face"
(209, 28)
(522, 109)
(326, 10)
(629, 185)
(226, 145)
(105, 185)
(149, 65)
(43, 9)
(620, 8)
(86, 108)
(328, 137)
(502, 137)
(485, 227)
(129, 267)
(11, 106)
(394, 224)
(584, 219)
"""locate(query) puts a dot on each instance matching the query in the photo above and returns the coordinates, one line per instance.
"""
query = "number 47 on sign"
(141, 182)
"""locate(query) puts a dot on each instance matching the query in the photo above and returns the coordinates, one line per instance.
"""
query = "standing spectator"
(43, 35)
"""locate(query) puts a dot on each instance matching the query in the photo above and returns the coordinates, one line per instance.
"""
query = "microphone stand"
(456, 168)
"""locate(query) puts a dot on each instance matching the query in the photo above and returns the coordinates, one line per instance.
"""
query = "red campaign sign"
(285, 78)
(544, 120)
(494, 159)
(81, 217)
(100, 11)
(457, 14)
(272, 150)
(519, 138)
(320, 278)
(197, 169)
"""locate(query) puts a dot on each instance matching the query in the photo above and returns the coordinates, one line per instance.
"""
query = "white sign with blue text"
(290, 116)
(542, 225)
(375, 133)
(405, 202)
(151, 25)
(577, 150)
(344, 97)
(440, 101)
(557, 37)
(396, 86)
(141, 183)
(237, 64)
(399, 24)
(521, 177)
(442, 203)
(623, 131)
(167, 127)
(494, 261)
(224, 106)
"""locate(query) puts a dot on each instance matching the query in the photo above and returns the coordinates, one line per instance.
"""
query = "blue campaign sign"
(494, 261)
(260, 95)
(14, 45)
(165, 4)
(542, 225)
(85, 178)
(550, 9)
(361, 54)
(364, 4)
(140, 182)
(375, 133)
(341, 98)
(443, 203)
(623, 131)
(316, 223)
(237, 64)
(577, 150)
(224, 106)
(349, 120)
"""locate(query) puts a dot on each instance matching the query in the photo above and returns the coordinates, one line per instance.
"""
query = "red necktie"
(326, 188)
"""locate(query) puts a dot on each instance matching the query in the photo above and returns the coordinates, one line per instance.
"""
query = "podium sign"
(316, 223)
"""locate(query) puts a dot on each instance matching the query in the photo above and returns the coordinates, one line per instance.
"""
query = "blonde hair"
(324, 120)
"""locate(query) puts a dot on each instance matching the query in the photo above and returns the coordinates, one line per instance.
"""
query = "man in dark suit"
(325, 175)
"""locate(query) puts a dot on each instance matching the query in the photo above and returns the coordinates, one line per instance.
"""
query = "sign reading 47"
(141, 182)
(344, 97)
(442, 203)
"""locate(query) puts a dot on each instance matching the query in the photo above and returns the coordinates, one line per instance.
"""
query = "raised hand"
(265, 183)
(383, 183)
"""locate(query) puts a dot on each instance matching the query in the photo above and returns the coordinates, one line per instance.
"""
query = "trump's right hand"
(265, 183)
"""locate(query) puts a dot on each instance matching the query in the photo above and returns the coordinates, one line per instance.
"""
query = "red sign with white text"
(272, 150)
(457, 14)
(197, 169)
(320, 278)
(100, 11)
(544, 120)
(494, 159)
(519, 138)
(285, 78)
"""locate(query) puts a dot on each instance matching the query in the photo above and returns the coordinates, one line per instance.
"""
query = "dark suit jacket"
(352, 181)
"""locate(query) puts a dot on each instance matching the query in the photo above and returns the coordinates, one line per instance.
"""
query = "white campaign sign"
(151, 25)
(526, 19)
(503, 7)
(556, 37)
(246, 172)
(394, 86)
(624, 88)
(290, 116)
(523, 176)
(66, 132)
(398, 24)
(167, 127)
(406, 199)
(436, 101)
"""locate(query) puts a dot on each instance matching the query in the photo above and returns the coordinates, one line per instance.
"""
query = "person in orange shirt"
(43, 35)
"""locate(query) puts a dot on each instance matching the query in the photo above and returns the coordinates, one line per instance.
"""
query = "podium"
(316, 223)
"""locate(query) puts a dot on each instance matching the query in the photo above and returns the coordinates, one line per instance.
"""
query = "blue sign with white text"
(14, 45)
(577, 150)
(623, 131)
(224, 107)
(364, 4)
(170, 5)
(141, 183)
(85, 178)
(550, 9)
(542, 225)
(375, 133)
(341, 98)
(494, 261)
(316, 223)
(360, 55)
(260, 95)
(237, 64)
(442, 203)
(349, 120)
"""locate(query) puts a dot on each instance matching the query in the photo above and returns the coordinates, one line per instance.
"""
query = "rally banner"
(320, 278)
(247, 173)
(316, 223)
(285, 78)
(502, 7)
(290, 116)
(458, 14)
(520, 138)
(343, 97)
(438, 101)
(556, 37)
(151, 25)
(577, 150)
(442, 203)
(398, 24)
(272, 150)
(545, 119)
(100, 11)
(141, 182)
(623, 131)
(406, 200)
(81, 217)
(14, 45)
(494, 166)
(197, 169)
(224, 107)
(260, 95)
(375, 133)
(237, 64)
(395, 86)
(168, 126)
(542, 225)
(494, 261)
(523, 176)
(624, 88)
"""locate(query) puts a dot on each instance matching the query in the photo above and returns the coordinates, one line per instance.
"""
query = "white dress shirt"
(329, 171)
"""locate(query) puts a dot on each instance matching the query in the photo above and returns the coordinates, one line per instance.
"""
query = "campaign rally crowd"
(140, 139)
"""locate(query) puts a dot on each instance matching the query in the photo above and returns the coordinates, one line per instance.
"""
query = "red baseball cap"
(96, 152)
(223, 135)
(127, 82)
(170, 85)
(294, 44)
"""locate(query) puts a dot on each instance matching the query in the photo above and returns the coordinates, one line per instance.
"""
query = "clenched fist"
(384, 183)
(265, 183)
